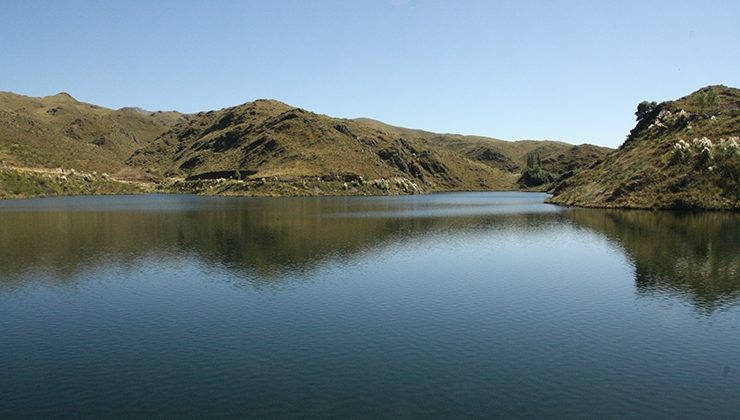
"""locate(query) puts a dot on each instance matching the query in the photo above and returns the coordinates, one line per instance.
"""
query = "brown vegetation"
(263, 147)
(681, 154)
(277, 143)
(60, 132)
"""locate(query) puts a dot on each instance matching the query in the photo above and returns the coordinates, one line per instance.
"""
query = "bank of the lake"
(22, 183)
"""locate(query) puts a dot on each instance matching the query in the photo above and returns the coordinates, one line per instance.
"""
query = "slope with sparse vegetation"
(285, 149)
(57, 145)
(681, 154)
(263, 147)
(60, 132)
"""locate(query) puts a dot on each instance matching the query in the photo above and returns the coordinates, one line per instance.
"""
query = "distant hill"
(556, 157)
(58, 145)
(59, 131)
(681, 154)
(267, 139)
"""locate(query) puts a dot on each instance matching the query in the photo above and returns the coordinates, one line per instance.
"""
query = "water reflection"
(261, 239)
(691, 255)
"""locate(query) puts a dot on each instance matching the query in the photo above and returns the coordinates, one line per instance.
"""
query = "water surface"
(447, 305)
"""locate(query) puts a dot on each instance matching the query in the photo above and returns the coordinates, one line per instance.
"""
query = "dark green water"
(439, 306)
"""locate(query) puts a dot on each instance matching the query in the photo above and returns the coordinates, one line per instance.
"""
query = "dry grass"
(17, 183)
(648, 172)
(59, 131)
(277, 140)
(274, 139)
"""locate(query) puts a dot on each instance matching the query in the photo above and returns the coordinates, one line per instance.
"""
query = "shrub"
(706, 100)
(645, 108)
(681, 151)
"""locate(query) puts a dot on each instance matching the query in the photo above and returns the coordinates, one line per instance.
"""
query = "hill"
(681, 154)
(60, 132)
(57, 145)
(288, 150)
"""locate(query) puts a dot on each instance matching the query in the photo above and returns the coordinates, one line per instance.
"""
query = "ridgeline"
(59, 146)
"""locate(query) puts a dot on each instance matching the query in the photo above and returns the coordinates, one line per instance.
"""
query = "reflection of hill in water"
(262, 240)
(257, 238)
(696, 255)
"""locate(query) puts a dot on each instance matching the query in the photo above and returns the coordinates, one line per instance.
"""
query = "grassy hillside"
(60, 132)
(263, 147)
(681, 154)
(556, 157)
(24, 183)
(278, 144)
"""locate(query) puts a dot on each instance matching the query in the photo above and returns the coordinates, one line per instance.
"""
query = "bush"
(645, 108)
(706, 100)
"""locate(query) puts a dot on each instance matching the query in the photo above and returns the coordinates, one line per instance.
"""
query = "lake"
(464, 305)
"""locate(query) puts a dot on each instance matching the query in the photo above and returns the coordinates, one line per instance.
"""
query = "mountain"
(681, 154)
(59, 131)
(57, 145)
(511, 156)
(273, 142)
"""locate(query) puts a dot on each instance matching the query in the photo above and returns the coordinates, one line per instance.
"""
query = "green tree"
(707, 100)
(533, 160)
(645, 108)
(534, 175)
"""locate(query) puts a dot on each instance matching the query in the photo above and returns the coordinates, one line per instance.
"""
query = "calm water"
(450, 305)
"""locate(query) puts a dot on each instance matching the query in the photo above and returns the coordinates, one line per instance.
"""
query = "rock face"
(681, 154)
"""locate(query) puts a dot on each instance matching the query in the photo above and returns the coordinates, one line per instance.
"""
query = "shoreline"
(30, 183)
(326, 193)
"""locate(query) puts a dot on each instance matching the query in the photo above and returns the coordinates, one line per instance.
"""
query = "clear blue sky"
(569, 70)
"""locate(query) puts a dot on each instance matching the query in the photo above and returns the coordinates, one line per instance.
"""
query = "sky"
(562, 70)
